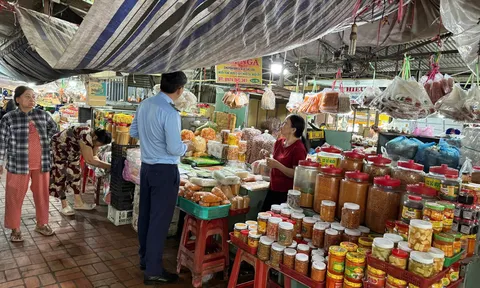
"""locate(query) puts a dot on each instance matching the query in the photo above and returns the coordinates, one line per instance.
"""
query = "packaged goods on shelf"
(225, 120)
(262, 147)
(235, 99)
(294, 101)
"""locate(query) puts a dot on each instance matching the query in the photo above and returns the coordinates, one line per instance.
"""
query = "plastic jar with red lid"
(412, 208)
(436, 174)
(377, 166)
(327, 186)
(450, 186)
(408, 172)
(398, 258)
(353, 189)
(352, 161)
(304, 181)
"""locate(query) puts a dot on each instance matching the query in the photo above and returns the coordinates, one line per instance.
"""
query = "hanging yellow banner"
(241, 72)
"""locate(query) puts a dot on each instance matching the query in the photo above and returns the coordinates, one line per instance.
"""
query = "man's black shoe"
(166, 277)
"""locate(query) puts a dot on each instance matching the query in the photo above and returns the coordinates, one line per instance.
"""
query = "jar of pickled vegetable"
(401, 229)
(298, 218)
(444, 242)
(383, 203)
(377, 166)
(289, 257)
(244, 236)
(353, 189)
(351, 235)
(307, 227)
(318, 271)
(457, 244)
(253, 239)
(262, 220)
(272, 227)
(382, 248)
(433, 212)
(336, 259)
(304, 181)
(376, 277)
(319, 234)
(398, 258)
(332, 237)
(301, 264)
(408, 172)
(276, 254)
(393, 282)
(403, 245)
(293, 198)
(285, 233)
(264, 247)
(238, 228)
(350, 215)
(427, 194)
(327, 211)
(420, 235)
(355, 266)
(393, 237)
(421, 263)
(352, 161)
(438, 259)
(327, 186)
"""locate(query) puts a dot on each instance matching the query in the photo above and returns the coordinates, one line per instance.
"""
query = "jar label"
(326, 161)
(465, 229)
(455, 227)
(449, 190)
(457, 212)
(467, 215)
(411, 213)
(354, 272)
(433, 183)
(261, 226)
(337, 266)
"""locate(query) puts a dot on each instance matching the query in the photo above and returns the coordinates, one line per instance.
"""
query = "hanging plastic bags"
(294, 101)
(268, 100)
(436, 84)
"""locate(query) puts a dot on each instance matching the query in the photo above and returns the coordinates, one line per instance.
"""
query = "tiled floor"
(87, 251)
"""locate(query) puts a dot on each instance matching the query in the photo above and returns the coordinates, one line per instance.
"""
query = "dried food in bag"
(268, 100)
(329, 101)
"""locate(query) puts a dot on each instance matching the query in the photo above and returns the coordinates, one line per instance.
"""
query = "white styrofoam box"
(118, 217)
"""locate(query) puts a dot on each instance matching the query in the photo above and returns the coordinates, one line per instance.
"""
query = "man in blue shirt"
(157, 125)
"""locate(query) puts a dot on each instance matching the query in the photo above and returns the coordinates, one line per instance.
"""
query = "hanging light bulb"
(353, 40)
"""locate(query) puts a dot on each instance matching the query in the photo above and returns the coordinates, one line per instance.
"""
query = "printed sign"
(240, 72)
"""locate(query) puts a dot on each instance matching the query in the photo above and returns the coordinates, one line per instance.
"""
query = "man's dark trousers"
(159, 185)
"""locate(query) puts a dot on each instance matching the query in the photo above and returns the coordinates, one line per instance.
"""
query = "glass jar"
(262, 220)
(327, 186)
(307, 227)
(319, 270)
(272, 227)
(355, 266)
(375, 277)
(352, 161)
(393, 237)
(433, 212)
(336, 259)
(289, 257)
(427, 194)
(408, 172)
(293, 198)
(350, 215)
(301, 264)
(401, 229)
(298, 218)
(469, 212)
(238, 228)
(450, 186)
(318, 234)
(398, 258)
(285, 233)
(364, 230)
(365, 242)
(420, 235)
(351, 235)
(383, 203)
(286, 212)
(377, 166)
(393, 282)
(276, 254)
(436, 174)
(421, 263)
(244, 236)
(457, 244)
(327, 211)
(353, 189)
(438, 259)
(412, 208)
(334, 281)
(304, 181)
(403, 245)
(382, 248)
(349, 246)
(253, 239)
(448, 215)
(264, 246)
(332, 237)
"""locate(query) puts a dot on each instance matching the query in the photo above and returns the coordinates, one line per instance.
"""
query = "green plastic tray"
(451, 260)
(204, 213)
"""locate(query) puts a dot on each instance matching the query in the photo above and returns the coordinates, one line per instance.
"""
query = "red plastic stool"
(261, 271)
(203, 256)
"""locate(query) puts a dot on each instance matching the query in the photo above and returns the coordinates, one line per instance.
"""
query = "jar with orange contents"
(334, 281)
(393, 282)
(355, 267)
(350, 284)
(336, 259)
(318, 236)
(327, 186)
(353, 189)
(375, 277)
(352, 161)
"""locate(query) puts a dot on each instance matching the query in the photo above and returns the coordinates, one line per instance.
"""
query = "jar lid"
(240, 226)
(399, 253)
(337, 251)
(332, 170)
(251, 222)
(434, 206)
(445, 237)
(290, 252)
(365, 241)
(266, 240)
(303, 247)
(311, 246)
(284, 205)
(410, 164)
(457, 235)
(451, 174)
(276, 207)
(354, 155)
(254, 234)
(297, 210)
(393, 237)
(356, 257)
(363, 250)
(294, 244)
(442, 169)
(337, 226)
(353, 232)
(349, 246)
(357, 175)
(436, 253)
(420, 224)
(364, 229)
(244, 232)
(301, 257)
(317, 258)
(294, 192)
(351, 206)
(414, 198)
(328, 203)
(278, 247)
(317, 265)
(331, 231)
(390, 223)
(383, 243)
(421, 257)
(320, 226)
(286, 211)
(447, 205)
(331, 149)
(319, 252)
(296, 215)
(403, 245)
(285, 226)
(309, 220)
(386, 181)
(316, 217)
(308, 163)
(274, 220)
(379, 160)
(422, 189)
(252, 227)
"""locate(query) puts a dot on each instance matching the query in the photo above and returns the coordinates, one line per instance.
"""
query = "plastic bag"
(268, 100)
(437, 85)
(451, 105)
(248, 135)
(344, 103)
(187, 135)
(294, 101)
(310, 104)
(329, 101)
(443, 153)
(471, 105)
(467, 167)
(426, 131)
(235, 99)
(420, 156)
(367, 96)
(403, 147)
(208, 134)
(186, 101)
(200, 144)
(272, 124)
(262, 146)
